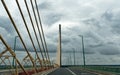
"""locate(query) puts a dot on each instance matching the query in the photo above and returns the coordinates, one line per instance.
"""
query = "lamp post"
(83, 49)
(70, 59)
(14, 48)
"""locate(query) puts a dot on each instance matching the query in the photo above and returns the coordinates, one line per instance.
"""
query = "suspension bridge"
(40, 62)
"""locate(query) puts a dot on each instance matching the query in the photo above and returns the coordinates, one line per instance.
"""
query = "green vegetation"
(111, 69)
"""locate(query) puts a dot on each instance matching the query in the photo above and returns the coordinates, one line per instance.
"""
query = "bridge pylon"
(58, 59)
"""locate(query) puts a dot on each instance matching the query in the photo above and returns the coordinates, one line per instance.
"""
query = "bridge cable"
(42, 32)
(28, 31)
(34, 30)
(13, 23)
(38, 28)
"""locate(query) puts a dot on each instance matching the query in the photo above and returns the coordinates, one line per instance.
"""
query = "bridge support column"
(59, 55)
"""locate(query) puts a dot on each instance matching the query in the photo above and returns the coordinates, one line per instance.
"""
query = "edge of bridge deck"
(46, 72)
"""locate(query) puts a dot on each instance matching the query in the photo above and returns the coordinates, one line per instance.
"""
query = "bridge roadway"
(70, 71)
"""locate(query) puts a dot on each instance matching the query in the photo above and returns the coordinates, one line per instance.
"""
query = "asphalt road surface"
(69, 71)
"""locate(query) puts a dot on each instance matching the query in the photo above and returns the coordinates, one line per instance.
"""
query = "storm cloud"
(98, 22)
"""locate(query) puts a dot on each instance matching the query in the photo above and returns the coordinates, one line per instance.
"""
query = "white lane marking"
(47, 72)
(71, 71)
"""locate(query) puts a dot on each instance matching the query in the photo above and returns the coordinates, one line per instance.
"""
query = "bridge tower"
(58, 59)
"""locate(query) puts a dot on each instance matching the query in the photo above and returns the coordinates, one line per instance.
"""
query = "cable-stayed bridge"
(32, 39)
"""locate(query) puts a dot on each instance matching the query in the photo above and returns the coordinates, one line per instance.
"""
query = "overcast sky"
(97, 20)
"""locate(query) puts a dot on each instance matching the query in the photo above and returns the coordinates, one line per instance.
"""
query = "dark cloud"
(111, 18)
(52, 47)
(109, 49)
(96, 45)
(89, 51)
(76, 51)
(44, 5)
(75, 30)
(92, 21)
(104, 23)
(52, 18)
(7, 30)
(97, 25)
(107, 19)
(116, 27)
(6, 24)
(108, 15)
(65, 41)
(109, 52)
(111, 43)
(94, 39)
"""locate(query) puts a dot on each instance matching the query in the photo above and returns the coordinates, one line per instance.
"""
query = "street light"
(83, 49)
(14, 48)
(70, 59)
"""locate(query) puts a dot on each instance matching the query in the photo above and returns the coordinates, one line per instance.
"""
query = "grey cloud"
(74, 30)
(111, 18)
(2, 47)
(7, 30)
(54, 37)
(108, 18)
(109, 49)
(92, 21)
(92, 35)
(109, 52)
(94, 39)
(52, 47)
(65, 41)
(108, 15)
(96, 25)
(88, 50)
(105, 22)
(76, 51)
(75, 43)
(110, 43)
(116, 26)
(44, 5)
(52, 18)
(6, 24)
(96, 45)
